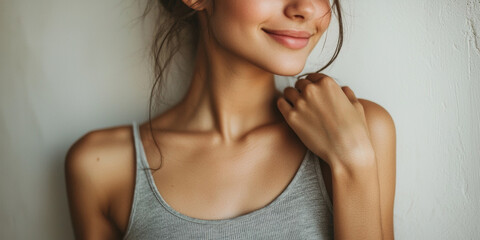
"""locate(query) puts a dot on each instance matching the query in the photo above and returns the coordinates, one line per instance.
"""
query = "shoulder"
(379, 120)
(98, 159)
(101, 141)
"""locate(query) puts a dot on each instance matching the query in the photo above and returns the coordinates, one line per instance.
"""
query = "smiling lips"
(290, 38)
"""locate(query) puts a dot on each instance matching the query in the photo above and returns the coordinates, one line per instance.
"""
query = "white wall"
(67, 67)
(421, 61)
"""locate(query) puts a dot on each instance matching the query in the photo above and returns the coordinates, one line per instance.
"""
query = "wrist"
(353, 167)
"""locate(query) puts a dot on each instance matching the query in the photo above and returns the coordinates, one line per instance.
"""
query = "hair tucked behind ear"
(175, 17)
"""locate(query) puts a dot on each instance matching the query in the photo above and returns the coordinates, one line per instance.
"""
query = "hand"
(328, 119)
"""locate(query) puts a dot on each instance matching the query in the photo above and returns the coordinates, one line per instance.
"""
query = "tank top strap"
(138, 146)
(141, 183)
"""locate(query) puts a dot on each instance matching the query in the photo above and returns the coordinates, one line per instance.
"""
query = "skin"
(243, 138)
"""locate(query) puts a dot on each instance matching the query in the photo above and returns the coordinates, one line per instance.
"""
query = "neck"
(228, 95)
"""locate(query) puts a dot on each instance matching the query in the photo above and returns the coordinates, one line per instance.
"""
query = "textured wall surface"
(67, 67)
(421, 61)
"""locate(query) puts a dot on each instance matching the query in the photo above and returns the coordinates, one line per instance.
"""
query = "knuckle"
(316, 76)
(292, 116)
(310, 89)
(329, 82)
(301, 103)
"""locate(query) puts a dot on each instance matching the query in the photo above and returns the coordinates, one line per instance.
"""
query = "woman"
(235, 158)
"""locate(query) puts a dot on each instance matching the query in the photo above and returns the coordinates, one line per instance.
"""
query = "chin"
(286, 68)
(284, 72)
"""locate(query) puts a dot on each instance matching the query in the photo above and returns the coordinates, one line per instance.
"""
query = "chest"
(210, 186)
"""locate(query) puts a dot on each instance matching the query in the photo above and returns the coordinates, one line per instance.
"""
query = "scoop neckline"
(250, 214)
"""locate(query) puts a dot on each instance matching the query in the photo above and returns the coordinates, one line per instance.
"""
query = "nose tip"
(300, 9)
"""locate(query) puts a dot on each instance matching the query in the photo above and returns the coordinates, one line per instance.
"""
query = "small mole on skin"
(98, 159)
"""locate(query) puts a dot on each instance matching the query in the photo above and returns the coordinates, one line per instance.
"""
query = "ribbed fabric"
(302, 211)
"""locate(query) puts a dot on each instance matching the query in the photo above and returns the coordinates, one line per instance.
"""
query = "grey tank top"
(302, 211)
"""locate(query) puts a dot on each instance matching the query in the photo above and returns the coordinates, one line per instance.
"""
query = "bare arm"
(383, 135)
(363, 193)
(356, 201)
(86, 197)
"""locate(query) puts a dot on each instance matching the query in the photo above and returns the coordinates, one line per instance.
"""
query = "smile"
(290, 39)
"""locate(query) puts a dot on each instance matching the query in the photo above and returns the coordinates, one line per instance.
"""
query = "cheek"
(234, 19)
(322, 21)
(324, 15)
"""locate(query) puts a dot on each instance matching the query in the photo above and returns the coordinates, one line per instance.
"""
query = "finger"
(301, 84)
(350, 94)
(291, 94)
(323, 79)
(315, 77)
(283, 106)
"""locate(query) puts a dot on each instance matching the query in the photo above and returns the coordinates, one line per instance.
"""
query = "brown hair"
(166, 41)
